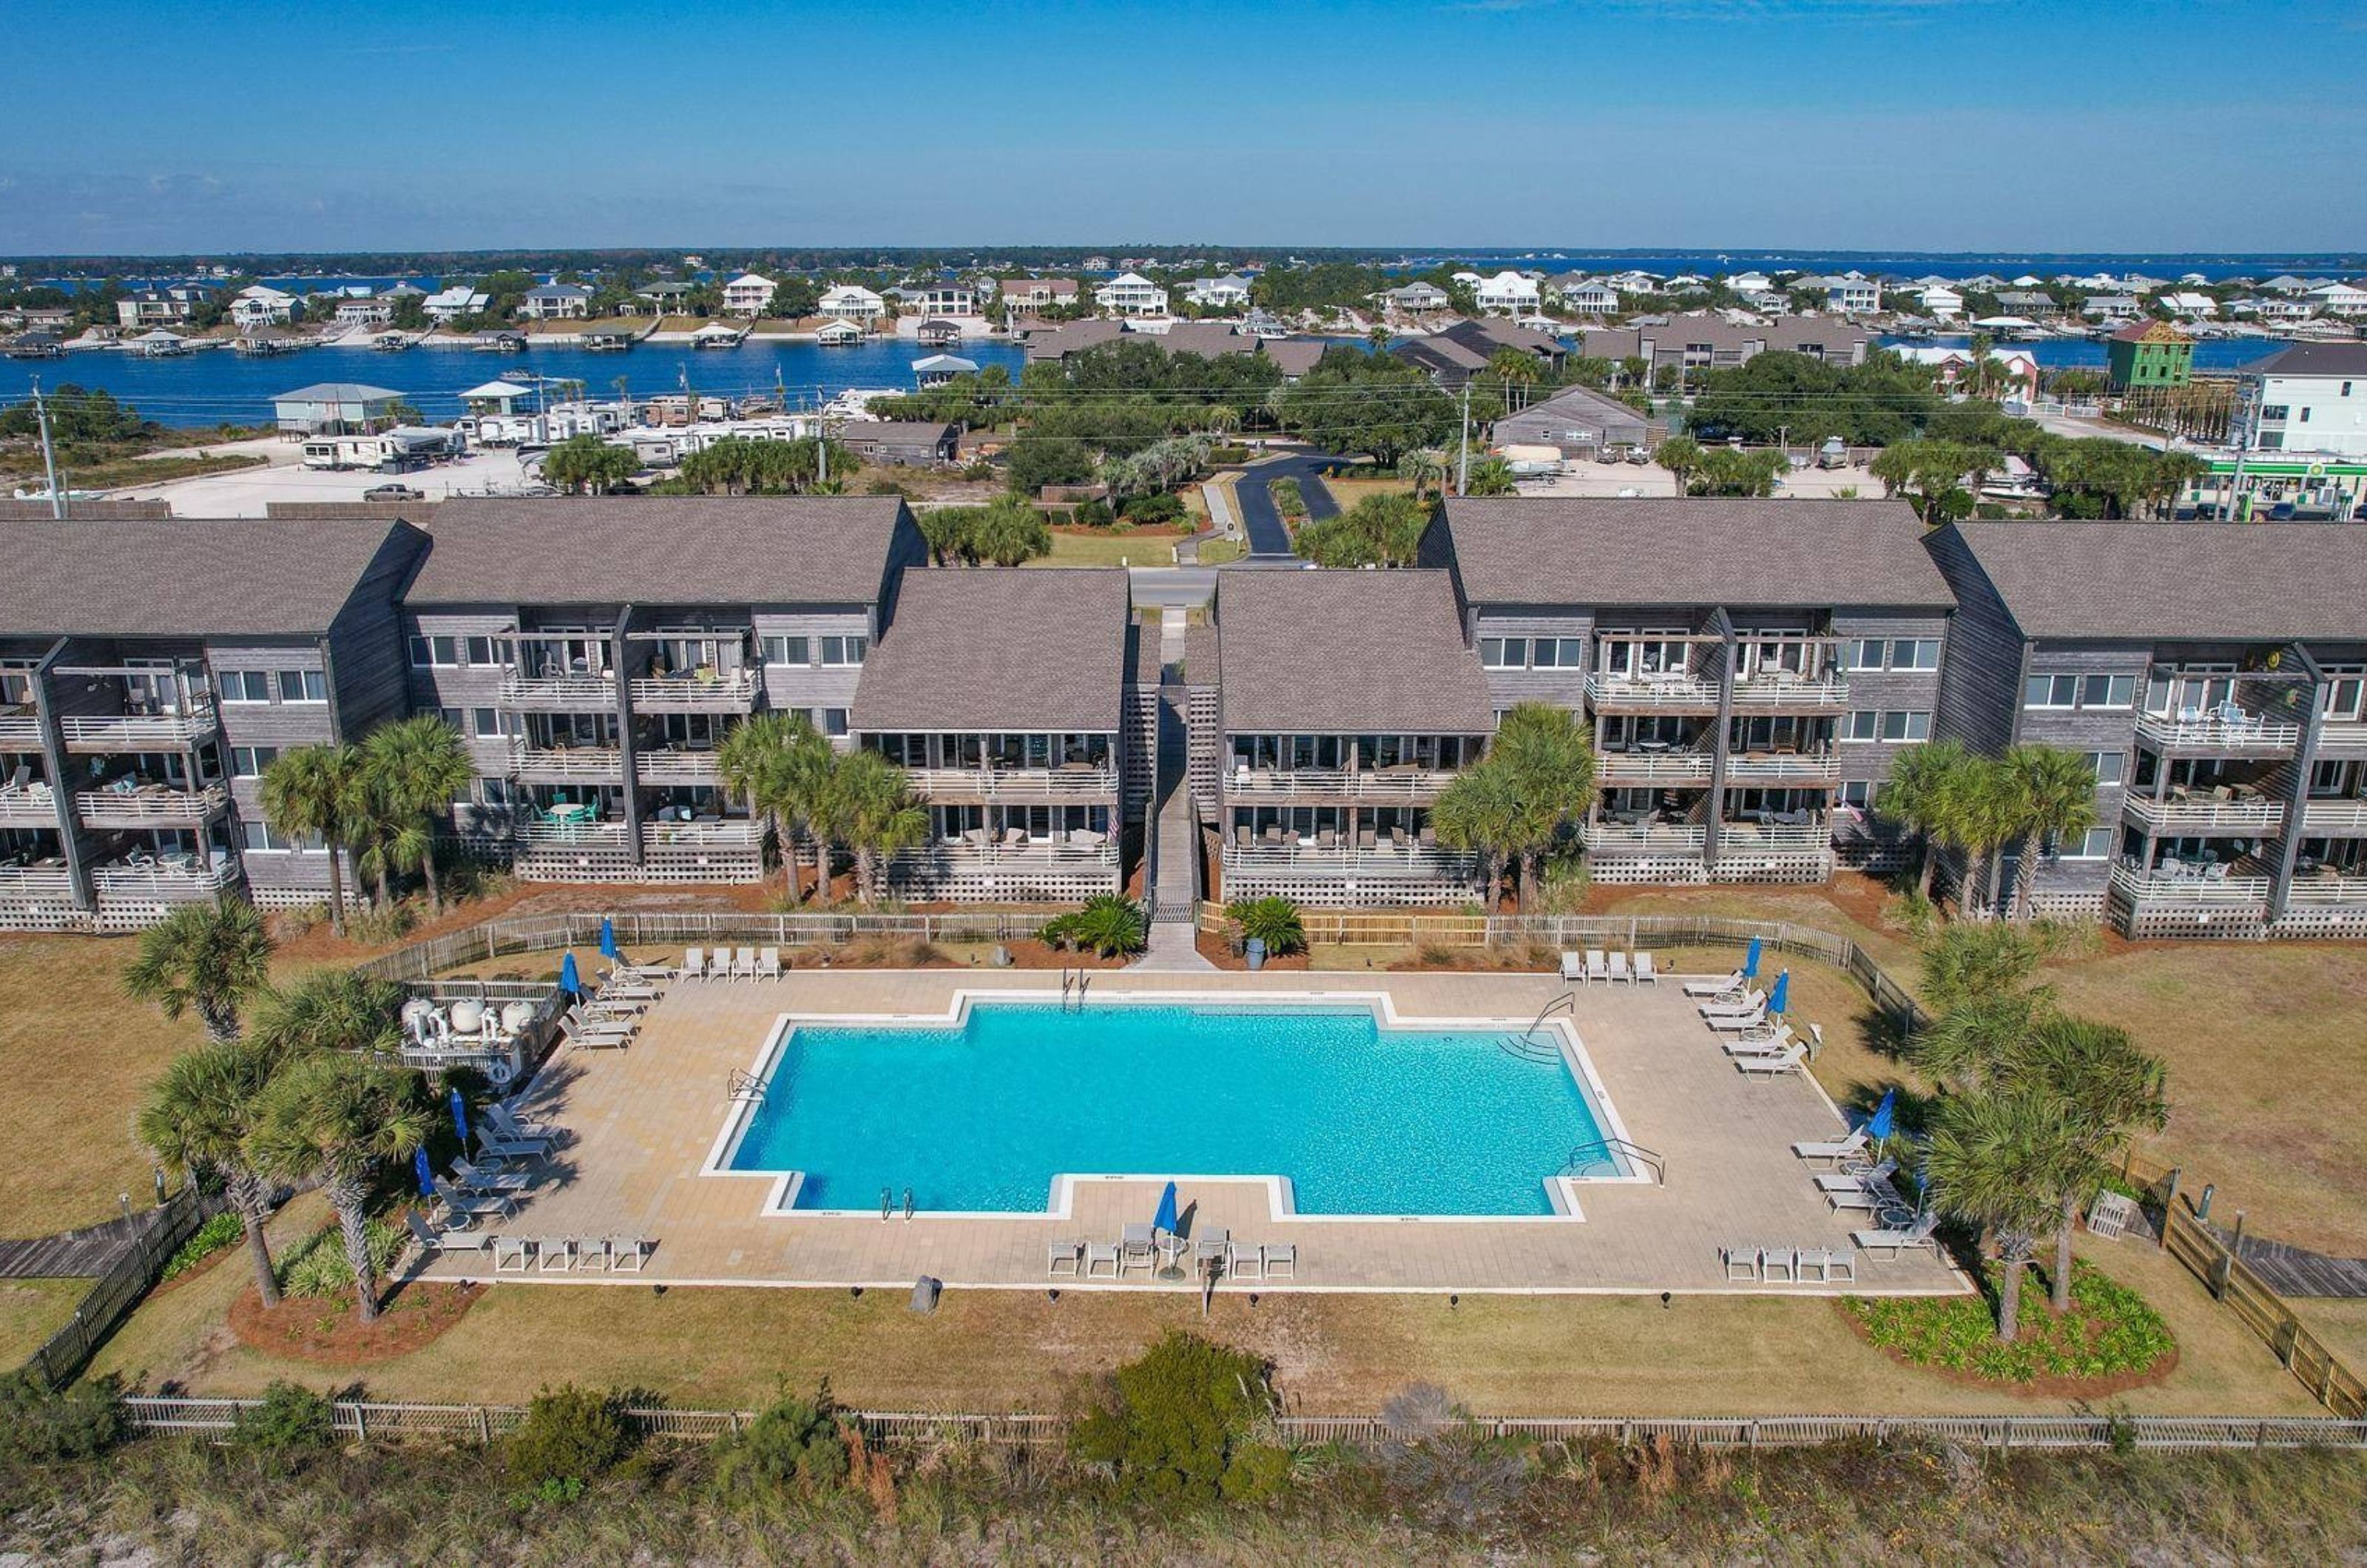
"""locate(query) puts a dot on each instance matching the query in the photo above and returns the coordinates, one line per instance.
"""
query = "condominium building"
(2215, 680)
(1751, 669)
(149, 671)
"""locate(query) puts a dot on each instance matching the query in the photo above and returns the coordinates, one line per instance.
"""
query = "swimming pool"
(1355, 1112)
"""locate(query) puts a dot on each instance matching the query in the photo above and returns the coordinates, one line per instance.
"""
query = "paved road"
(1260, 519)
(1188, 586)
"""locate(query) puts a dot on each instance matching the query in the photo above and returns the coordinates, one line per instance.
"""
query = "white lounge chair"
(1835, 1151)
(1734, 1023)
(1598, 967)
(473, 1205)
(743, 967)
(1730, 985)
(1854, 1182)
(513, 1255)
(628, 1253)
(1765, 1032)
(1784, 1261)
(1792, 1061)
(718, 963)
(1645, 974)
(1100, 1255)
(1762, 1046)
(513, 1126)
(1064, 1258)
(493, 1144)
(693, 963)
(1243, 1261)
(1279, 1262)
(1619, 971)
(1750, 1001)
(768, 963)
(1895, 1241)
(1573, 968)
(554, 1254)
(445, 1238)
(475, 1178)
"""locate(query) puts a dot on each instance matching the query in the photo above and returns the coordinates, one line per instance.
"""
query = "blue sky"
(2115, 125)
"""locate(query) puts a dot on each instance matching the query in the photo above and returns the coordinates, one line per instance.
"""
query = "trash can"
(1255, 949)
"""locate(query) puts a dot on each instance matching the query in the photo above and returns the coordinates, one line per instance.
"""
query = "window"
(248, 762)
(1906, 726)
(2346, 686)
(843, 650)
(2109, 767)
(2304, 416)
(495, 792)
(1915, 653)
(2271, 441)
(261, 836)
(243, 685)
(1859, 793)
(2108, 691)
(2096, 843)
(2276, 412)
(832, 721)
(480, 650)
(485, 723)
(1504, 652)
(1862, 725)
(303, 686)
(788, 650)
(1865, 655)
(1559, 653)
(2051, 692)
(434, 652)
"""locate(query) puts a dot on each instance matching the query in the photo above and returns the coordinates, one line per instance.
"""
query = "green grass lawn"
(1218, 552)
(32, 1310)
(1109, 549)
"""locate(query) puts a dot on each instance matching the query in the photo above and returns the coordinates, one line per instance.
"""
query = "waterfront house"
(1011, 700)
(1070, 337)
(1700, 340)
(1578, 421)
(1849, 293)
(1941, 300)
(1588, 298)
(1036, 293)
(2215, 683)
(1230, 292)
(2311, 397)
(2149, 353)
(595, 653)
(2347, 301)
(1453, 355)
(335, 408)
(1328, 710)
(1751, 669)
(937, 369)
(374, 311)
(2110, 307)
(852, 302)
(259, 305)
(170, 306)
(1507, 293)
(750, 294)
(446, 305)
(947, 301)
(555, 302)
(149, 671)
(1131, 294)
(1294, 356)
(1413, 297)
(897, 443)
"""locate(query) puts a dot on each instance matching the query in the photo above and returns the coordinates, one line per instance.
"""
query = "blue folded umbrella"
(1878, 1124)
(1750, 961)
(570, 979)
(460, 1118)
(420, 1169)
(1781, 994)
(607, 938)
(1165, 1219)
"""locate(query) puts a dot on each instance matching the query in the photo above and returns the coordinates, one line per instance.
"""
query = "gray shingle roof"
(185, 577)
(2178, 582)
(2313, 359)
(1347, 653)
(1294, 356)
(661, 550)
(1656, 550)
(995, 649)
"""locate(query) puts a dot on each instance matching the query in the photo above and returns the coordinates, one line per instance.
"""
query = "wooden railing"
(2324, 890)
(1654, 767)
(2204, 815)
(29, 805)
(1670, 691)
(589, 764)
(1760, 691)
(569, 693)
(1640, 838)
(139, 732)
(2243, 731)
(1408, 783)
(151, 807)
(1782, 767)
(165, 884)
(2330, 819)
(1377, 860)
(671, 765)
(154, 1237)
(2177, 891)
(734, 692)
(1082, 782)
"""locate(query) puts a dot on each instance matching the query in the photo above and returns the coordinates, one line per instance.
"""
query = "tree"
(334, 1009)
(1917, 796)
(1110, 925)
(778, 764)
(1681, 456)
(1998, 1160)
(2053, 799)
(1481, 812)
(1035, 461)
(2103, 1090)
(417, 768)
(1350, 400)
(586, 465)
(1724, 471)
(1938, 478)
(1379, 530)
(320, 792)
(197, 1119)
(341, 1115)
(1980, 818)
(1274, 922)
(1426, 466)
(1966, 963)
(1491, 476)
(1010, 531)
(1517, 370)
(951, 534)
(1546, 753)
(203, 958)
(881, 814)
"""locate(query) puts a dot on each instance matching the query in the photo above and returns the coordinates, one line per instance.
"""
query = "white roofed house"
(2309, 398)
(1507, 293)
(2189, 304)
(1230, 292)
(1589, 297)
(259, 305)
(1413, 296)
(373, 311)
(852, 302)
(336, 408)
(1131, 294)
(1752, 282)
(1853, 293)
(750, 294)
(2109, 306)
(944, 300)
(555, 302)
(2347, 301)
(1941, 300)
(449, 304)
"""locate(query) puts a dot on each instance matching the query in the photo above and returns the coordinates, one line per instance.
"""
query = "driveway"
(1263, 522)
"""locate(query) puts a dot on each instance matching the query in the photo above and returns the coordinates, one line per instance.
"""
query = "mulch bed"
(1217, 949)
(2052, 1388)
(329, 1332)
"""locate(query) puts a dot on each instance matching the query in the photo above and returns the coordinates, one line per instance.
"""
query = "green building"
(2149, 354)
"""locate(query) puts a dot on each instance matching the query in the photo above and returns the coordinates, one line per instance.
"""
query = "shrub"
(2110, 1331)
(1109, 924)
(41, 1425)
(570, 1434)
(1228, 457)
(794, 1446)
(224, 1230)
(291, 1420)
(978, 468)
(385, 923)
(1093, 513)
(880, 484)
(1274, 922)
(1287, 498)
(1176, 1427)
(1154, 510)
(317, 1265)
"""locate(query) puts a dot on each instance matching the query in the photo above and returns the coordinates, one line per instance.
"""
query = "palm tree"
(319, 792)
(198, 1119)
(1917, 795)
(417, 768)
(881, 815)
(205, 958)
(1681, 456)
(1964, 964)
(1997, 1160)
(328, 1010)
(2053, 798)
(1426, 466)
(1517, 368)
(1481, 811)
(1980, 817)
(1978, 1040)
(2103, 1092)
(1547, 751)
(341, 1115)
(775, 764)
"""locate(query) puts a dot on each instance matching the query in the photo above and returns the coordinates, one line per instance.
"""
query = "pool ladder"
(1080, 980)
(1526, 1045)
(746, 1088)
(1582, 1155)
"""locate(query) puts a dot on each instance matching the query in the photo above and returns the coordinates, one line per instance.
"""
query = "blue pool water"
(1362, 1119)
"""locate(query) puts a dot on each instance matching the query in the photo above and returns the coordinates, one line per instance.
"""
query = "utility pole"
(49, 454)
(1463, 455)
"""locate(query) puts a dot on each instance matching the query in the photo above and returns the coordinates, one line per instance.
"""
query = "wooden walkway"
(71, 1255)
(2297, 1271)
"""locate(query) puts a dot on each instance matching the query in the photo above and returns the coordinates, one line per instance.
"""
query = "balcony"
(1783, 768)
(1643, 765)
(182, 879)
(1072, 781)
(731, 691)
(20, 729)
(2195, 887)
(1775, 691)
(2345, 737)
(1398, 785)
(2223, 731)
(1772, 837)
(162, 731)
(567, 764)
(151, 805)
(1411, 860)
(2334, 819)
(2324, 889)
(1626, 840)
(28, 806)
(559, 693)
(728, 833)
(36, 884)
(670, 765)
(1652, 693)
(2201, 815)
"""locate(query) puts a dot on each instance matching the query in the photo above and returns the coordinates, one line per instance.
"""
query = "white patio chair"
(1573, 968)
(743, 967)
(1065, 1258)
(1100, 1255)
(1598, 967)
(1279, 1262)
(513, 1255)
(718, 963)
(1243, 1261)
(1645, 974)
(769, 963)
(626, 1254)
(1741, 1263)
(1791, 1061)
(1779, 1265)
(554, 1254)
(1710, 990)
(1620, 974)
(1836, 1150)
(694, 963)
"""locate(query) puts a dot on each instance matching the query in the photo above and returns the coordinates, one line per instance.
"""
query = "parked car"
(393, 492)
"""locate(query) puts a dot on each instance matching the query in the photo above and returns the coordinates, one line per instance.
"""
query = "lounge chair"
(1102, 1253)
(718, 963)
(493, 1144)
(1065, 1258)
(1597, 967)
(628, 1253)
(1895, 1241)
(1854, 1181)
(463, 1237)
(476, 1179)
(1279, 1262)
(1868, 1199)
(513, 1126)
(554, 1254)
(1139, 1247)
(1792, 1061)
(1573, 968)
(586, 1037)
(513, 1255)
(1645, 974)
(1836, 1151)
(1761, 1044)
(474, 1205)
(1741, 1262)
(1619, 971)
(693, 963)
(1243, 1261)
(1734, 1023)
(1766, 1032)
(1840, 1268)
(1750, 1001)
(1812, 1258)
(768, 963)
(743, 967)
(1711, 990)
(1210, 1247)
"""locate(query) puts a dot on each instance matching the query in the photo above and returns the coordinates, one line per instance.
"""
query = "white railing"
(2219, 731)
(2157, 889)
(1651, 692)
(2324, 890)
(2339, 738)
(2203, 814)
(1084, 781)
(596, 764)
(1739, 838)
(154, 806)
(565, 691)
(1812, 767)
(1035, 851)
(28, 882)
(672, 766)
(1654, 767)
(737, 833)
(2332, 817)
(1791, 691)
(572, 835)
(1380, 859)
(730, 692)
(139, 732)
(1641, 838)
(29, 805)
(1407, 784)
(163, 884)
(20, 731)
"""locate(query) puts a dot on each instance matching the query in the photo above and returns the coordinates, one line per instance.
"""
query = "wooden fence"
(364, 1420)
(114, 1294)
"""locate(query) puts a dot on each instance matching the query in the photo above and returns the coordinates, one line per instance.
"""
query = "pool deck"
(637, 1126)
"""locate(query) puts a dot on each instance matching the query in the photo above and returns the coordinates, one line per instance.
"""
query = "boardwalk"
(639, 1124)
